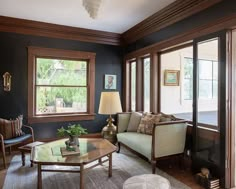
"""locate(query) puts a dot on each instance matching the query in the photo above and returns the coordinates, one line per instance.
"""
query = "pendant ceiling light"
(92, 7)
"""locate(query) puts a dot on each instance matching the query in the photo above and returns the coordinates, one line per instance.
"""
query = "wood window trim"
(34, 52)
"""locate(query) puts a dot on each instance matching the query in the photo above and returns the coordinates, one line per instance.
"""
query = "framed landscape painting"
(171, 78)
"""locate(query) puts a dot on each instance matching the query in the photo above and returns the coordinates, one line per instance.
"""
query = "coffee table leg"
(81, 176)
(39, 177)
(110, 165)
(100, 161)
(31, 164)
(23, 158)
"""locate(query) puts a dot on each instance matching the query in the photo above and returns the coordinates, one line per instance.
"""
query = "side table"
(27, 149)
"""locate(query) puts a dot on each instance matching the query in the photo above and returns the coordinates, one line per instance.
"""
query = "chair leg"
(3, 155)
(118, 148)
(154, 164)
(9, 150)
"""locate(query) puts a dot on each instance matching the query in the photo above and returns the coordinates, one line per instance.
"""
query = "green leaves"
(72, 130)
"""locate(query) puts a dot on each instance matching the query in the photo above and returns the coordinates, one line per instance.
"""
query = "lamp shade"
(109, 103)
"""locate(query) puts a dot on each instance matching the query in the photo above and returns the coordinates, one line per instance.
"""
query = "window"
(188, 79)
(133, 86)
(208, 75)
(146, 88)
(61, 85)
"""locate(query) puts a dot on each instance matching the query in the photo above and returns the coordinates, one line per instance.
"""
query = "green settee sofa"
(167, 139)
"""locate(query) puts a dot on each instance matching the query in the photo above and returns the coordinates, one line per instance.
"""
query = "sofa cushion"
(139, 142)
(134, 121)
(147, 122)
(11, 128)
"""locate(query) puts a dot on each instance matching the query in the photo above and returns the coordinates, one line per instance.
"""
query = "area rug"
(125, 165)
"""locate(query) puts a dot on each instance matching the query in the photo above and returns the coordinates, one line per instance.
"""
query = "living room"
(170, 33)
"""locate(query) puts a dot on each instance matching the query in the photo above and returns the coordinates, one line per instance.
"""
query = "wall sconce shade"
(109, 103)
(7, 81)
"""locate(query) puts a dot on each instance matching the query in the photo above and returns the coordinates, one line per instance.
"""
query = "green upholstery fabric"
(134, 121)
(139, 142)
(170, 139)
(123, 121)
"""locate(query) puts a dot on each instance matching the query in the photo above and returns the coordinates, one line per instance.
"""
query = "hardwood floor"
(170, 167)
(183, 175)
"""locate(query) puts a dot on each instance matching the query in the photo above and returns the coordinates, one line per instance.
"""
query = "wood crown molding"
(171, 14)
(227, 22)
(29, 27)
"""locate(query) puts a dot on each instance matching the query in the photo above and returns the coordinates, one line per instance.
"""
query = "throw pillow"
(147, 122)
(165, 117)
(11, 128)
(134, 121)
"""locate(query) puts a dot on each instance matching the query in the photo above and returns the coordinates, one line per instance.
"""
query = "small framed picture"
(110, 81)
(171, 78)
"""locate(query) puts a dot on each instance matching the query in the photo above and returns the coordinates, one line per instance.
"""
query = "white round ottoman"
(147, 181)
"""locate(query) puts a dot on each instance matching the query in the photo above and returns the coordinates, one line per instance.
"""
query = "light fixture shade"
(109, 103)
(92, 7)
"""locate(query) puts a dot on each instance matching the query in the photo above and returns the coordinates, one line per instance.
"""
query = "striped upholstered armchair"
(13, 132)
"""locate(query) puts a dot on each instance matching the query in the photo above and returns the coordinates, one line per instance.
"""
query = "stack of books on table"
(213, 184)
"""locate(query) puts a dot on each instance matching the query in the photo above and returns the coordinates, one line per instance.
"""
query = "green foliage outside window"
(62, 80)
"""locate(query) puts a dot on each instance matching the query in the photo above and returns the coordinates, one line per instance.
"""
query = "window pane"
(61, 72)
(146, 68)
(215, 89)
(188, 68)
(215, 70)
(188, 89)
(177, 100)
(188, 79)
(133, 86)
(205, 89)
(205, 69)
(208, 82)
(53, 100)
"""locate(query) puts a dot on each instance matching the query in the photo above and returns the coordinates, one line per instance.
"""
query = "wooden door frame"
(231, 56)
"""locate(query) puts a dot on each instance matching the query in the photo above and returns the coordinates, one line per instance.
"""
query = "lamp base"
(109, 131)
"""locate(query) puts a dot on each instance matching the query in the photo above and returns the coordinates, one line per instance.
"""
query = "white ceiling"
(114, 15)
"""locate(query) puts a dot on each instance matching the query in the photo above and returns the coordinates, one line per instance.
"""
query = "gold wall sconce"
(7, 81)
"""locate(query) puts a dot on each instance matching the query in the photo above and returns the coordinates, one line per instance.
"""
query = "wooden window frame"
(89, 57)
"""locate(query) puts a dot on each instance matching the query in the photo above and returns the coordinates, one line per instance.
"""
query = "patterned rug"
(125, 165)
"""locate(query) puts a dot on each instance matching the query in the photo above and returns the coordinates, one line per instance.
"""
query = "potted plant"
(73, 131)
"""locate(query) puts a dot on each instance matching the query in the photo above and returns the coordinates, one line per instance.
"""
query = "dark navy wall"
(217, 11)
(13, 53)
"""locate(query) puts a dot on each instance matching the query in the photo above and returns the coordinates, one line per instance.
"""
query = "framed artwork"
(171, 78)
(110, 81)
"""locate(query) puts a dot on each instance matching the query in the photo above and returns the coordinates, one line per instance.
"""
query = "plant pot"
(73, 140)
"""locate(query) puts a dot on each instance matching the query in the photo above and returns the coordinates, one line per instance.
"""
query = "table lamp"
(109, 105)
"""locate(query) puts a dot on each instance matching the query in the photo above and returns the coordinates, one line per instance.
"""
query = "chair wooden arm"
(171, 122)
(1, 138)
(31, 130)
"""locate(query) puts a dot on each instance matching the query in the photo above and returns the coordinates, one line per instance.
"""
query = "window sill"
(60, 118)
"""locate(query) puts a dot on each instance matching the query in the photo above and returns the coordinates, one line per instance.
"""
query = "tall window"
(63, 85)
(146, 75)
(133, 86)
(188, 79)
(208, 75)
